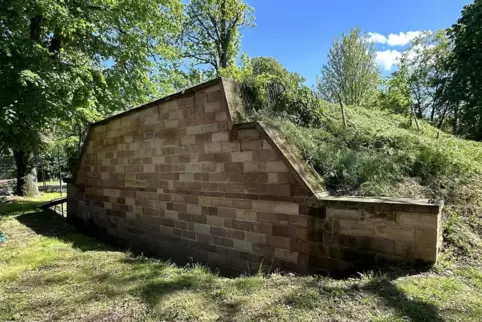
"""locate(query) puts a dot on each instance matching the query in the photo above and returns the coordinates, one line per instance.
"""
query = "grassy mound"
(381, 154)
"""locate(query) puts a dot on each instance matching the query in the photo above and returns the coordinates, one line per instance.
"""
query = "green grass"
(15, 205)
(49, 271)
(51, 183)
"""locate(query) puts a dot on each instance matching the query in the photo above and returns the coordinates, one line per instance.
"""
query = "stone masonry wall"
(179, 179)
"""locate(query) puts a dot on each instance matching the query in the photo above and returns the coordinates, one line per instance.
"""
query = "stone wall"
(181, 178)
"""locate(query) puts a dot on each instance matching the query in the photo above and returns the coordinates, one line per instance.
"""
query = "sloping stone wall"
(180, 177)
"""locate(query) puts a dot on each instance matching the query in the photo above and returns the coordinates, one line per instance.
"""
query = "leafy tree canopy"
(465, 86)
(351, 74)
(211, 31)
(76, 60)
(269, 87)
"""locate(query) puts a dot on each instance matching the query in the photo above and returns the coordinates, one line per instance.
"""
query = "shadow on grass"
(390, 294)
(416, 310)
(51, 224)
(152, 280)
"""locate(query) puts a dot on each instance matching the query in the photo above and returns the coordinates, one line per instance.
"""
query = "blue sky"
(300, 33)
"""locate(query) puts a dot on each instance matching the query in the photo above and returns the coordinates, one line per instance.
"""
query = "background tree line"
(66, 64)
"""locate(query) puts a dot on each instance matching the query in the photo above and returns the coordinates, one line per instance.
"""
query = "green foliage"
(269, 88)
(211, 31)
(351, 73)
(53, 161)
(376, 156)
(67, 63)
(66, 60)
(465, 84)
(423, 65)
(395, 93)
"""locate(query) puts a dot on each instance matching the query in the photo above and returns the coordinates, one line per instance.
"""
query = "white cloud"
(388, 58)
(376, 38)
(401, 39)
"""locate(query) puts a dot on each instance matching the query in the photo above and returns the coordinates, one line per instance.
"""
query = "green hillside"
(381, 154)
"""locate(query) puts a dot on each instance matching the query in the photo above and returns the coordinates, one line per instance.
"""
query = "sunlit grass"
(49, 271)
(19, 205)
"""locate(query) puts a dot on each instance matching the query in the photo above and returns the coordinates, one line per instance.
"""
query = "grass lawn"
(51, 272)
(17, 206)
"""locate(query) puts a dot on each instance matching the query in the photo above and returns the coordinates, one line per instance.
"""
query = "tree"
(395, 93)
(271, 88)
(465, 85)
(211, 31)
(75, 60)
(423, 62)
(351, 74)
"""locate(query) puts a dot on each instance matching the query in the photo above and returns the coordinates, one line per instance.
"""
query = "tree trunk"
(343, 115)
(432, 114)
(455, 125)
(478, 134)
(26, 174)
(442, 119)
(416, 120)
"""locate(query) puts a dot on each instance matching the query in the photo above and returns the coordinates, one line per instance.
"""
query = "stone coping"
(381, 204)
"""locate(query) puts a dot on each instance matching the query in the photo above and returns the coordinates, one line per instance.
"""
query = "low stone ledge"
(381, 204)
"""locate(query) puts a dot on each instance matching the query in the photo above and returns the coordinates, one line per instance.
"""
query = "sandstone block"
(355, 228)
(283, 231)
(414, 220)
(350, 214)
(276, 166)
(188, 140)
(235, 234)
(202, 229)
(230, 146)
(243, 245)
(287, 208)
(404, 249)
(195, 129)
(256, 238)
(218, 231)
(246, 156)
(253, 167)
(186, 177)
(428, 254)
(226, 242)
(426, 238)
(251, 145)
(210, 128)
(266, 145)
(221, 116)
(278, 242)
(286, 255)
(220, 137)
(396, 233)
(215, 221)
(249, 134)
(246, 215)
(273, 218)
(211, 107)
(212, 147)
(171, 214)
(272, 178)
